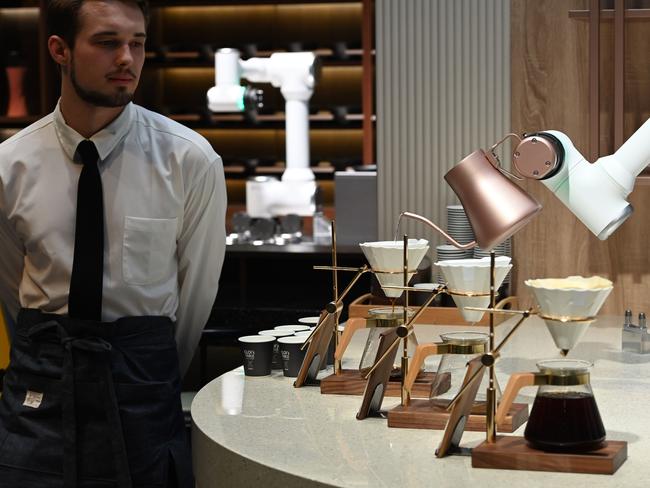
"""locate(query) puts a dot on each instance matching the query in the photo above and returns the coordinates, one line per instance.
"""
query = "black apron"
(93, 404)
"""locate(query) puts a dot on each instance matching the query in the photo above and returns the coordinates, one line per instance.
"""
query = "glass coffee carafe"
(564, 416)
(461, 347)
(379, 319)
(456, 350)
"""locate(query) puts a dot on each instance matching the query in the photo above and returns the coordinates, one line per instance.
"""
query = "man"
(112, 238)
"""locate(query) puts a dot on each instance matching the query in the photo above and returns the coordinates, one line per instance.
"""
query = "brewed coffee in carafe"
(565, 416)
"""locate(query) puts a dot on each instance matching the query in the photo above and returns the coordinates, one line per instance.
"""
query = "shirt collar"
(105, 140)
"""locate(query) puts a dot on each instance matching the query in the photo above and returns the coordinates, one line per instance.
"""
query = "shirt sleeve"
(12, 260)
(201, 250)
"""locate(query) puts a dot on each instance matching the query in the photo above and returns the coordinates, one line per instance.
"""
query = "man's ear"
(59, 51)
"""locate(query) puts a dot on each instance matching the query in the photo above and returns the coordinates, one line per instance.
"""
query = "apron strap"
(69, 419)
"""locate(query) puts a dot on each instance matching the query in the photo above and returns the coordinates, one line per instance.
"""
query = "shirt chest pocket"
(148, 250)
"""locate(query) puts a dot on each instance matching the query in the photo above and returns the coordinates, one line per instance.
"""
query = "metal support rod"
(405, 396)
(338, 268)
(491, 399)
(336, 336)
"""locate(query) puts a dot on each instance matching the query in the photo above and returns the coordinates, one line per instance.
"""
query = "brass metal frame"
(379, 271)
(467, 293)
(566, 318)
(335, 285)
(551, 379)
(462, 349)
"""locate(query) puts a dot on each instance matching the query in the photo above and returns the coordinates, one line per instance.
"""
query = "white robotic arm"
(596, 193)
(295, 74)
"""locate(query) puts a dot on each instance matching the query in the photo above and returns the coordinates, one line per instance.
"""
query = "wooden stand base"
(350, 382)
(512, 452)
(432, 414)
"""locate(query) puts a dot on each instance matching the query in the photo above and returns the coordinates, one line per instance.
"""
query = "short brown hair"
(62, 17)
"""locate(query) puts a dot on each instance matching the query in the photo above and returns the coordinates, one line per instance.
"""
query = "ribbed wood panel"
(443, 90)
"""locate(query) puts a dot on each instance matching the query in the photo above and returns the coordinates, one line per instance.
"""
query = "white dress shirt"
(164, 206)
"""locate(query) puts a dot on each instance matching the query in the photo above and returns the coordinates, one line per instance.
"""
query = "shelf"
(238, 171)
(266, 26)
(321, 119)
(203, 58)
(177, 3)
(608, 14)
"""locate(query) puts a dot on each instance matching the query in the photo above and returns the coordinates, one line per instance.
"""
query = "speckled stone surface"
(262, 432)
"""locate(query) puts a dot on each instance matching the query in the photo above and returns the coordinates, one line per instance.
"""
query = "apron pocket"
(31, 413)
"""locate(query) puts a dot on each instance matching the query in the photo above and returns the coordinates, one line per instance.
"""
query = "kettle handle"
(351, 326)
(516, 382)
(422, 351)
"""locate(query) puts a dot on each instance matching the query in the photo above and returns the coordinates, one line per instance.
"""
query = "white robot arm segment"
(596, 193)
(295, 74)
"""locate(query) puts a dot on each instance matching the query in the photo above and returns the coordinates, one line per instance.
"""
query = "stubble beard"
(99, 99)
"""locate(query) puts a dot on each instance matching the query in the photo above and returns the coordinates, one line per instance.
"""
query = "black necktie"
(85, 299)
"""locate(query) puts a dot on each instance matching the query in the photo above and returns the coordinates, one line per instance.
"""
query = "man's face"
(108, 52)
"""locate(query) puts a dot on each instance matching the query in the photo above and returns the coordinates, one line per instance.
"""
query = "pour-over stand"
(512, 452)
(379, 374)
(380, 371)
(351, 381)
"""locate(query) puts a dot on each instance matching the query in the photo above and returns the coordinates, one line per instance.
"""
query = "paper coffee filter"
(574, 296)
(473, 275)
(388, 256)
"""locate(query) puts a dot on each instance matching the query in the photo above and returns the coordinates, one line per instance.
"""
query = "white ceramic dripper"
(473, 276)
(573, 297)
(389, 256)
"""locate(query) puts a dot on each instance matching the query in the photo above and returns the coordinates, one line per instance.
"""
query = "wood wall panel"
(549, 80)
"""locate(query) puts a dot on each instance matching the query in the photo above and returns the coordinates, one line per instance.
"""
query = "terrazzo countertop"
(262, 432)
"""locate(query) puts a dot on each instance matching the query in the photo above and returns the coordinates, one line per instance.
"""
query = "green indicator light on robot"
(240, 100)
